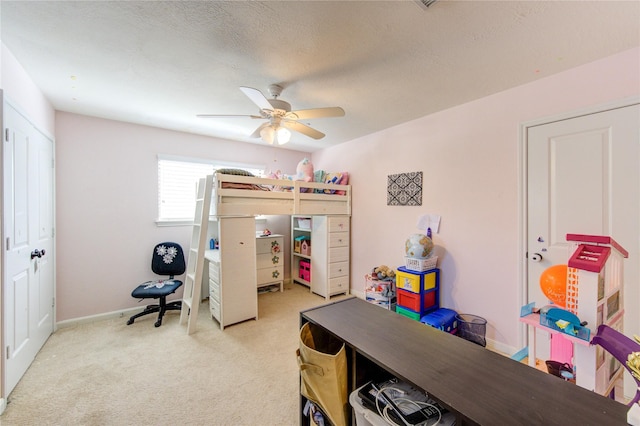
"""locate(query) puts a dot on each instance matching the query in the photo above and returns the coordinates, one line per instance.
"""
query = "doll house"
(595, 294)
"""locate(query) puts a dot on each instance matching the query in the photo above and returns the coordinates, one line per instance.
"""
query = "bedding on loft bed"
(238, 193)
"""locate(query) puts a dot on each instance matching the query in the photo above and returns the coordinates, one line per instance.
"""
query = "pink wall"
(469, 157)
(20, 90)
(107, 205)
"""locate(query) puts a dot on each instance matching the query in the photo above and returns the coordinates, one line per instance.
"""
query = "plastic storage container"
(407, 313)
(364, 416)
(416, 282)
(443, 319)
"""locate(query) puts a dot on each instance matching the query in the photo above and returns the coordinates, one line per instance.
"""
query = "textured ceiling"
(385, 62)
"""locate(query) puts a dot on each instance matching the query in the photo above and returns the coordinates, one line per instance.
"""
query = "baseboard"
(359, 294)
(123, 313)
(3, 405)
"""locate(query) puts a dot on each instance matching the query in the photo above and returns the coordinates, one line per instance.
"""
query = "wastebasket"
(472, 328)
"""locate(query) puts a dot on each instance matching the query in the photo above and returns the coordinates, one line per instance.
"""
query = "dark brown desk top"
(485, 387)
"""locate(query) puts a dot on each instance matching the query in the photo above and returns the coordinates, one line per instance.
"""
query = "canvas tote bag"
(323, 371)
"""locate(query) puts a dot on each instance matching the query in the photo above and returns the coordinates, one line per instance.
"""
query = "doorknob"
(536, 257)
(37, 253)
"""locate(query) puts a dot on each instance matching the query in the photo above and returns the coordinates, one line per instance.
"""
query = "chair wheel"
(130, 322)
(158, 323)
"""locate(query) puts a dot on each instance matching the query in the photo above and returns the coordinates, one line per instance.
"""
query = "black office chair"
(168, 259)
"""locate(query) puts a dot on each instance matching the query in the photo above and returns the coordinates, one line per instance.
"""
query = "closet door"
(28, 281)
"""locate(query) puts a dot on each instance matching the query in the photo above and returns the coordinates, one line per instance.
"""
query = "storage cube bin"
(443, 319)
(408, 281)
(418, 302)
(304, 223)
(408, 313)
(416, 282)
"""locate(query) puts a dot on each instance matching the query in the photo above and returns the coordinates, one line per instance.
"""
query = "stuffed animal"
(383, 272)
(304, 171)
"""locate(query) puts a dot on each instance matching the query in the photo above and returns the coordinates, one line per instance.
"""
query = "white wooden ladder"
(195, 264)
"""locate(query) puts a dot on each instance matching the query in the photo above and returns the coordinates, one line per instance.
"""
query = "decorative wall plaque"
(404, 189)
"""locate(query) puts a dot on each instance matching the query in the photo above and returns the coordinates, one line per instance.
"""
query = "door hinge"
(53, 302)
(8, 351)
(8, 243)
(6, 134)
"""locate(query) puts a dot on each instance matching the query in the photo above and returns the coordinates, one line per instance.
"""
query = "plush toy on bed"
(304, 171)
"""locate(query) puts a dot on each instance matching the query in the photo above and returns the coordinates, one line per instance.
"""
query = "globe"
(418, 246)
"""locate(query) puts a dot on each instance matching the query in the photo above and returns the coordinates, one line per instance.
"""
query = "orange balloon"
(553, 283)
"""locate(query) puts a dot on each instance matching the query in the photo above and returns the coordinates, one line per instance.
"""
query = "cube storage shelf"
(418, 354)
(320, 255)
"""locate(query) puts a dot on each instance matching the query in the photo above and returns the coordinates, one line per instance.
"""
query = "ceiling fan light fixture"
(275, 133)
(278, 112)
(268, 134)
(283, 135)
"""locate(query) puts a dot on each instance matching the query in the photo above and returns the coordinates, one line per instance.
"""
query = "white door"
(28, 227)
(582, 178)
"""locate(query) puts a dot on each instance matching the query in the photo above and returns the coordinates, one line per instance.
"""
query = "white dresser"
(270, 260)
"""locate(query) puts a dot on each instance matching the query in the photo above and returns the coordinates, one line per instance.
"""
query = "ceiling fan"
(280, 117)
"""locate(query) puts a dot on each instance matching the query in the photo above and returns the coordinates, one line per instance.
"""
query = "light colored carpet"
(108, 373)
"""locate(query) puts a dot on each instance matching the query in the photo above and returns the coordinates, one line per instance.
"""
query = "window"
(177, 180)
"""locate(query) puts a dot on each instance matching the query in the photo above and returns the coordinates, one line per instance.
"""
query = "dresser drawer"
(214, 308)
(269, 245)
(338, 239)
(338, 224)
(268, 260)
(214, 290)
(269, 275)
(339, 254)
(214, 271)
(338, 269)
(339, 285)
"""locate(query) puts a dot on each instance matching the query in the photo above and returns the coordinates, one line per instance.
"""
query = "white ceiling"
(160, 63)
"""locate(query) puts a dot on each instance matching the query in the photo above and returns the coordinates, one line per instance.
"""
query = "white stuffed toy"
(304, 171)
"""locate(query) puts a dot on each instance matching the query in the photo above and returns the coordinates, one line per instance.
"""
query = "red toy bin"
(409, 300)
(417, 302)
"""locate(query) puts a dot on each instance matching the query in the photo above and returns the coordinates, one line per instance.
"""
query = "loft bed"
(235, 195)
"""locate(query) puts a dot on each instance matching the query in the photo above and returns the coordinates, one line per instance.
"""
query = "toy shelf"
(534, 321)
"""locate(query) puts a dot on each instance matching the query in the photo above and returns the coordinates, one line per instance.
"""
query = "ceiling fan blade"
(226, 116)
(256, 133)
(302, 128)
(257, 98)
(305, 114)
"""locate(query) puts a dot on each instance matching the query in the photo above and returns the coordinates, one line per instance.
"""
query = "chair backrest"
(619, 346)
(168, 259)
